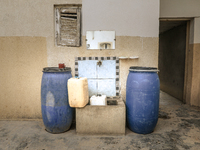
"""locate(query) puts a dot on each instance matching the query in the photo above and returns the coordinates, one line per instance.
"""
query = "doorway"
(172, 55)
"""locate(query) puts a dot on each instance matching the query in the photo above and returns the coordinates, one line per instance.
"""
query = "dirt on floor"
(178, 128)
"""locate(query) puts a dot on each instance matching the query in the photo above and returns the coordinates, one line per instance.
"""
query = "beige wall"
(144, 47)
(197, 29)
(195, 89)
(188, 9)
(22, 60)
(33, 20)
(136, 34)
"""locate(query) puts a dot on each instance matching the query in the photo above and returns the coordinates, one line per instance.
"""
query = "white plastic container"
(78, 92)
(98, 100)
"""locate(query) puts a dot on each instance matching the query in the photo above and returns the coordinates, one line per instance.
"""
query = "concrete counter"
(108, 119)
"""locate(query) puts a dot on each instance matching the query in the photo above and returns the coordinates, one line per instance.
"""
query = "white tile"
(107, 69)
(92, 87)
(87, 68)
(107, 87)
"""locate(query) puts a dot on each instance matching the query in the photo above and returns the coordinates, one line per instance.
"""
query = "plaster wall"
(195, 94)
(136, 35)
(197, 29)
(179, 8)
(127, 18)
(21, 63)
(29, 18)
(144, 47)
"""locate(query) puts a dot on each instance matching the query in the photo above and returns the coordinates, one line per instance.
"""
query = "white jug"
(98, 100)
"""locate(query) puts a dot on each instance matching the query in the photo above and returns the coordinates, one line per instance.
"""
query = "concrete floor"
(178, 128)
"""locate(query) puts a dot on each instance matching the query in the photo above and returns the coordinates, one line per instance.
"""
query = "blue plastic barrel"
(56, 113)
(142, 99)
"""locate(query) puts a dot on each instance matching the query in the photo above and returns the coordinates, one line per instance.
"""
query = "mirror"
(100, 39)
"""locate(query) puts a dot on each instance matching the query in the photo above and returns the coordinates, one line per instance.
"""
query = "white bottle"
(98, 100)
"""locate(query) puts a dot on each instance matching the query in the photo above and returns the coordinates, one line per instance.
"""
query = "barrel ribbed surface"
(142, 99)
(56, 113)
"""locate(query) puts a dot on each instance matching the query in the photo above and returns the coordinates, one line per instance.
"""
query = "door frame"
(188, 59)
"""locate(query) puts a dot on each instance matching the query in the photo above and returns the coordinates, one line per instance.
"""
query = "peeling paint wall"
(136, 24)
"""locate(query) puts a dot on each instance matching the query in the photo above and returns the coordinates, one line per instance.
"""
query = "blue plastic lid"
(56, 69)
(143, 69)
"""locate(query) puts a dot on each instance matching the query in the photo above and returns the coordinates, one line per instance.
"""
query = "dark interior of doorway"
(172, 49)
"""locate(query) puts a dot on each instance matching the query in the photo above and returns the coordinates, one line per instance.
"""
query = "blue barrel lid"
(56, 69)
(143, 69)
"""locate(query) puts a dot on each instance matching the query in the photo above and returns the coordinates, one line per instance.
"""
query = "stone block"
(108, 119)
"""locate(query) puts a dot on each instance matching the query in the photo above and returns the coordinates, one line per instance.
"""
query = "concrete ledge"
(108, 119)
